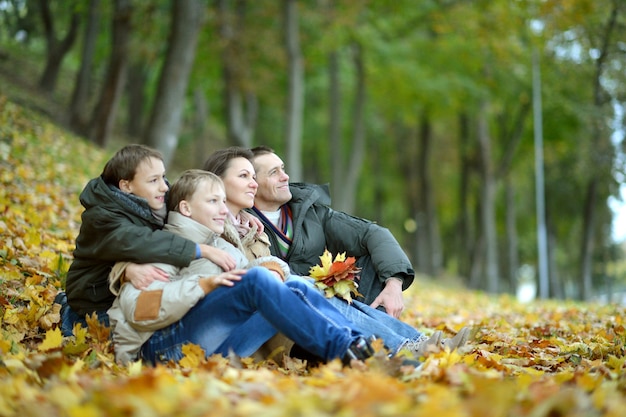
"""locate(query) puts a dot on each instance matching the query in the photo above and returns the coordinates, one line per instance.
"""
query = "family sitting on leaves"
(221, 259)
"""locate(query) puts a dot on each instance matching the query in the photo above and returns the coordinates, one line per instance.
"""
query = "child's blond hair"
(187, 184)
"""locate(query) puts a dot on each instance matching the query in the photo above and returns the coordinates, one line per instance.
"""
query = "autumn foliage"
(540, 359)
(336, 277)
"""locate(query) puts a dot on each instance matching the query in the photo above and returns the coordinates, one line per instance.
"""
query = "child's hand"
(218, 256)
(226, 279)
(142, 275)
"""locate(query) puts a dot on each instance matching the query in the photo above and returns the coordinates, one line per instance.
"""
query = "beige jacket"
(136, 314)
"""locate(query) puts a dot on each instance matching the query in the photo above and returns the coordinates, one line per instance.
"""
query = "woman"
(233, 166)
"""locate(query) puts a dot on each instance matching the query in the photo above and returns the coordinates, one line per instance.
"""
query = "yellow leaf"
(194, 355)
(321, 271)
(84, 410)
(53, 340)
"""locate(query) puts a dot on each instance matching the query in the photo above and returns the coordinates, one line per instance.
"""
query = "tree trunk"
(55, 49)
(200, 129)
(357, 147)
(165, 120)
(334, 126)
(465, 239)
(600, 143)
(240, 107)
(429, 240)
(586, 250)
(511, 234)
(136, 92)
(487, 204)
(106, 109)
(557, 289)
(79, 117)
(295, 90)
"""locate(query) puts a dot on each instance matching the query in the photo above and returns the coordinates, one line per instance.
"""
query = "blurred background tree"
(419, 114)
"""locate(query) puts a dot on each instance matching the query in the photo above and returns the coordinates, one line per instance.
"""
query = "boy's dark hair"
(218, 161)
(123, 165)
(187, 185)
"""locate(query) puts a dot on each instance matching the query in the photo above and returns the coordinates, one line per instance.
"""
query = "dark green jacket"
(317, 227)
(116, 227)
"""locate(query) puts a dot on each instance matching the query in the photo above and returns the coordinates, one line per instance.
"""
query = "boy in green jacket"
(123, 217)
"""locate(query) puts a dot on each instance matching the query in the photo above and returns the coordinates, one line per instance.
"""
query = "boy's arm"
(165, 303)
(114, 237)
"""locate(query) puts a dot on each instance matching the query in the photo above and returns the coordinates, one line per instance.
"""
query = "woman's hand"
(142, 275)
(226, 279)
(253, 220)
(218, 256)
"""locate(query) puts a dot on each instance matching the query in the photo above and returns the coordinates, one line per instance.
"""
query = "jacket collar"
(191, 229)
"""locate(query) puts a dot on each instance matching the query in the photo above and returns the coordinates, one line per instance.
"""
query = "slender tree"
(56, 48)
(240, 106)
(79, 117)
(188, 16)
(295, 89)
(103, 118)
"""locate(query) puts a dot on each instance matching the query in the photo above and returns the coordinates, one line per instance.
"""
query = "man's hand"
(391, 298)
(219, 257)
(142, 275)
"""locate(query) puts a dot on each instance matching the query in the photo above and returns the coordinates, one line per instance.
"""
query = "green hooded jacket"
(116, 227)
(316, 227)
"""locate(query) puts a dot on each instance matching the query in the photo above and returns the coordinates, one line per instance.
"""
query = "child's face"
(207, 206)
(149, 183)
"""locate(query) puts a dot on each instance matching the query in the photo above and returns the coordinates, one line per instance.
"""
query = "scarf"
(283, 230)
(242, 226)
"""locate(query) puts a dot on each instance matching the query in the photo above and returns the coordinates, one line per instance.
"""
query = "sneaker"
(458, 340)
(359, 350)
(424, 345)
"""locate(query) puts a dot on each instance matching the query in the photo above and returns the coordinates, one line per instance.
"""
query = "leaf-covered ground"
(541, 359)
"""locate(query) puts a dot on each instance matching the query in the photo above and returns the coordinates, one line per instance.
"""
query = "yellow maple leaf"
(193, 356)
(317, 271)
(53, 340)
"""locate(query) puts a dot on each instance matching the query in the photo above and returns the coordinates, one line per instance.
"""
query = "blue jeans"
(371, 321)
(69, 317)
(243, 317)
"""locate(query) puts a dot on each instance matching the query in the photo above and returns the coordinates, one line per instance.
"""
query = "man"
(301, 225)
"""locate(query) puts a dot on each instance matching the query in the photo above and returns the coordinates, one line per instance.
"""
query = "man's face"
(273, 182)
(149, 183)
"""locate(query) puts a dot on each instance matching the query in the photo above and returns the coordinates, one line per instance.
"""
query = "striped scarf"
(283, 229)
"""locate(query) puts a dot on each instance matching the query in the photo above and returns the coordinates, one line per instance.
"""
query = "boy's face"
(149, 183)
(207, 206)
(273, 182)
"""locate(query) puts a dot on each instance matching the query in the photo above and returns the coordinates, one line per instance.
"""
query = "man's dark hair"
(261, 150)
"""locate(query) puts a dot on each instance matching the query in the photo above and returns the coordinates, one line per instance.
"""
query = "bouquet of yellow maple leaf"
(336, 277)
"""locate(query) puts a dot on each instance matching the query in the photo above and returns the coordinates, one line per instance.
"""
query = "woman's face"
(240, 184)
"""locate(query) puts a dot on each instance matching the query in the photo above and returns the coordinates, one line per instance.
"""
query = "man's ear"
(184, 208)
(124, 185)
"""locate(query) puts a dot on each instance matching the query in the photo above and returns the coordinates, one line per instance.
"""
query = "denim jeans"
(69, 317)
(370, 321)
(227, 319)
